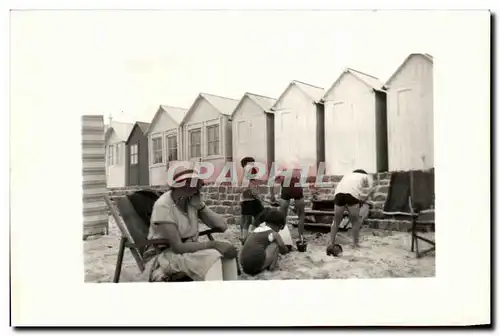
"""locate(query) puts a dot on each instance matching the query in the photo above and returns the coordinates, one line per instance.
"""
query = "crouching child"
(263, 245)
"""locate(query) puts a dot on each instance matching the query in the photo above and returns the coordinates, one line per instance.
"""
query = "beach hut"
(164, 142)
(298, 127)
(115, 139)
(207, 132)
(410, 114)
(355, 124)
(253, 129)
(137, 155)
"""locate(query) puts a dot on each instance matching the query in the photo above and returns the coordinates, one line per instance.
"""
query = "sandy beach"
(384, 254)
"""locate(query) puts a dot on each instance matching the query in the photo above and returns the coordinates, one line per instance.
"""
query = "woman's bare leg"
(215, 272)
(229, 269)
(272, 255)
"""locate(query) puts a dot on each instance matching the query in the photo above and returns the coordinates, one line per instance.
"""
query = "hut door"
(242, 136)
(288, 136)
(404, 128)
(242, 132)
(345, 139)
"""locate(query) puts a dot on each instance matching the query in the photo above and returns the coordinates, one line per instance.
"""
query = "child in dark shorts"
(351, 193)
(291, 191)
(264, 244)
(251, 205)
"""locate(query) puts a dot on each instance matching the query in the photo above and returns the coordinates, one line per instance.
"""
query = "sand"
(383, 254)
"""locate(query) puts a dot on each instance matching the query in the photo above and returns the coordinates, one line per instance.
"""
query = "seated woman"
(263, 245)
(175, 218)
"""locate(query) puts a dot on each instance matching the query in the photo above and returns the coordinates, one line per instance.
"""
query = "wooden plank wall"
(95, 211)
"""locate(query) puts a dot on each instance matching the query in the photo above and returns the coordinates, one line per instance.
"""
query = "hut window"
(110, 155)
(157, 150)
(117, 155)
(195, 143)
(213, 140)
(172, 147)
(134, 154)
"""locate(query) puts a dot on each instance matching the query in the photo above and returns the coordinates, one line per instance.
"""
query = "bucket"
(334, 250)
(301, 245)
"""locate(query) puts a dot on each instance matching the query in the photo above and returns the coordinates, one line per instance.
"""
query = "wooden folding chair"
(421, 218)
(134, 229)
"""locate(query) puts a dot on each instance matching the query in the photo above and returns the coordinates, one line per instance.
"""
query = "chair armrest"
(208, 233)
(149, 242)
(165, 241)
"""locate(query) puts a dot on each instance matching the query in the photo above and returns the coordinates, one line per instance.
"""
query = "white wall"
(295, 130)
(410, 124)
(163, 127)
(350, 132)
(115, 173)
(249, 132)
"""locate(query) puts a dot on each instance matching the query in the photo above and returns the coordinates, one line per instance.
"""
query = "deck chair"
(421, 218)
(421, 200)
(132, 214)
(417, 208)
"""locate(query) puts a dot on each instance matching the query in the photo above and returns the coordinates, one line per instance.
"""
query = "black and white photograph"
(214, 149)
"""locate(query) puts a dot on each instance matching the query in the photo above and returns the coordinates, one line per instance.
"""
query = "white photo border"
(46, 235)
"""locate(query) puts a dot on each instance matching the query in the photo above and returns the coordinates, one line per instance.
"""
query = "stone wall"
(225, 199)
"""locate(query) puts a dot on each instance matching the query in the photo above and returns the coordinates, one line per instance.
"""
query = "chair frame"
(127, 241)
(417, 221)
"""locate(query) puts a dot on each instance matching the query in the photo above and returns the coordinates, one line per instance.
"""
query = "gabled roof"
(314, 92)
(410, 56)
(369, 80)
(265, 103)
(143, 127)
(121, 129)
(177, 114)
(372, 81)
(224, 105)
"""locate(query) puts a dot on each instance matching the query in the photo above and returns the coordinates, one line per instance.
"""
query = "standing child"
(251, 205)
(264, 244)
(350, 193)
(292, 190)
